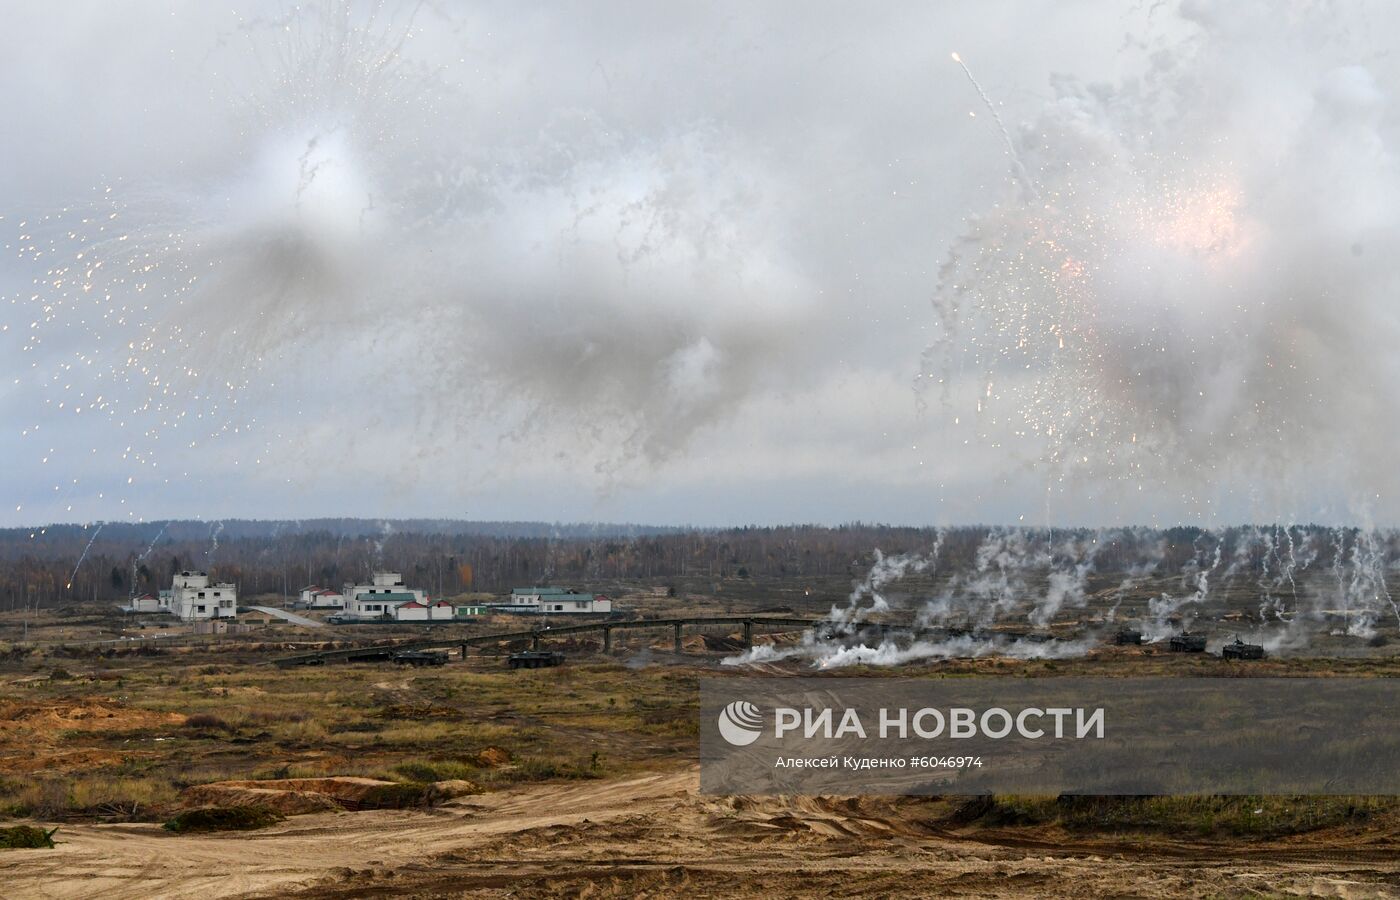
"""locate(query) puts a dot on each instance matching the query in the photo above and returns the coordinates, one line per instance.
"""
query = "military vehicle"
(1127, 636)
(418, 658)
(1240, 650)
(1186, 642)
(534, 659)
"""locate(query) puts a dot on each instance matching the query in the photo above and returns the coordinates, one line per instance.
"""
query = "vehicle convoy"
(535, 659)
(418, 658)
(1240, 650)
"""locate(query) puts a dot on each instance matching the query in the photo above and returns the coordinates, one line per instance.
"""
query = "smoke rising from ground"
(1038, 594)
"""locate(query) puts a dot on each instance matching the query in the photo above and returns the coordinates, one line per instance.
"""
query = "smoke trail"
(83, 556)
(136, 563)
(1016, 163)
(883, 572)
(214, 531)
(1196, 578)
(1360, 568)
(1068, 577)
(386, 530)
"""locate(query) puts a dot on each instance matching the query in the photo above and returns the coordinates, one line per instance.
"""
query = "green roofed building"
(554, 601)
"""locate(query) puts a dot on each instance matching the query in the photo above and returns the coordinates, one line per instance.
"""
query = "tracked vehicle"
(1127, 637)
(1186, 642)
(1240, 650)
(534, 659)
(418, 658)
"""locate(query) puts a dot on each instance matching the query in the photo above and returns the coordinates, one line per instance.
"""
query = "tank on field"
(1186, 642)
(1240, 650)
(1127, 637)
(535, 659)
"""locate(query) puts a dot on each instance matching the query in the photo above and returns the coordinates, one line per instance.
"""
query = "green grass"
(26, 837)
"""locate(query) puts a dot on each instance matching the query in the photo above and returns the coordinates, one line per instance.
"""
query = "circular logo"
(740, 723)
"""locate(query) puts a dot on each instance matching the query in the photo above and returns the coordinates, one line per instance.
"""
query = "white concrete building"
(412, 611)
(385, 593)
(317, 597)
(554, 601)
(328, 598)
(191, 597)
(144, 604)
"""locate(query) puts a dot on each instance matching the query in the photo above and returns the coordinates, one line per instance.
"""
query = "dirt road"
(657, 836)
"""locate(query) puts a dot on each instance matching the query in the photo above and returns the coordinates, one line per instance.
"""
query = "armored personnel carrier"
(1186, 642)
(1127, 637)
(534, 659)
(1240, 650)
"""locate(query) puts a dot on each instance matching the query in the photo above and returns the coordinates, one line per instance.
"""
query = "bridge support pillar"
(678, 638)
(748, 632)
(607, 639)
(464, 653)
(535, 642)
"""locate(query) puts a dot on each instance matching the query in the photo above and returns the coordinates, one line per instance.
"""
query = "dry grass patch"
(26, 837)
(222, 818)
(1206, 816)
(173, 724)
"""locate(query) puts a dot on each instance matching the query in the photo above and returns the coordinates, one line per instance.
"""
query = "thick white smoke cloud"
(632, 301)
(382, 235)
(1203, 289)
(622, 289)
(893, 652)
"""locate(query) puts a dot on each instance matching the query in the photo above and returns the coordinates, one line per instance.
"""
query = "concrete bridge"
(540, 633)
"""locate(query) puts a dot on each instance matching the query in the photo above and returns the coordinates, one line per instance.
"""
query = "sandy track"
(145, 861)
(656, 836)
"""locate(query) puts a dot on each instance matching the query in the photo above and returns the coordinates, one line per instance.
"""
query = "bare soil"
(655, 835)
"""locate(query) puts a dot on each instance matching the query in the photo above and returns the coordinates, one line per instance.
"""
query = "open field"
(653, 835)
(581, 780)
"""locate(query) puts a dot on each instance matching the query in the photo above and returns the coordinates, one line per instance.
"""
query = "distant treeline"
(40, 567)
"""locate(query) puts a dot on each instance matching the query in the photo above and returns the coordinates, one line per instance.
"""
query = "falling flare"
(1016, 163)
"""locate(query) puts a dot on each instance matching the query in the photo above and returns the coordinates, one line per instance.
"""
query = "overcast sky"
(666, 263)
